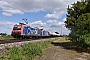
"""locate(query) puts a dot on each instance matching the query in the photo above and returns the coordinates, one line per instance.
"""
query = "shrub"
(27, 52)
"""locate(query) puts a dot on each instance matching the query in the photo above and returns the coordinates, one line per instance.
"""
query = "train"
(23, 31)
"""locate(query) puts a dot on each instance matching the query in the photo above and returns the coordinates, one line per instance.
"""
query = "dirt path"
(59, 51)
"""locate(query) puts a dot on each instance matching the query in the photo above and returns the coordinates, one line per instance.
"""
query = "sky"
(47, 14)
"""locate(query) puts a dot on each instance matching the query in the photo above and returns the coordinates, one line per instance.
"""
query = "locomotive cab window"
(17, 27)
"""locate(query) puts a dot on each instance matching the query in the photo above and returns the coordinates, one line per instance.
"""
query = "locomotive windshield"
(17, 27)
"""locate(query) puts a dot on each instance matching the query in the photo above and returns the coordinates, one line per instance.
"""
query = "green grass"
(27, 52)
(8, 37)
(61, 39)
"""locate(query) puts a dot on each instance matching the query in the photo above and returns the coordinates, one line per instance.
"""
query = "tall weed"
(27, 52)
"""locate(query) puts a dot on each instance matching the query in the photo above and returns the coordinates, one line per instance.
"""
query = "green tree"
(78, 21)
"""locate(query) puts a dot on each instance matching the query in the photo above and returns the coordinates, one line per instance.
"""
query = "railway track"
(13, 41)
(19, 43)
(20, 40)
(17, 40)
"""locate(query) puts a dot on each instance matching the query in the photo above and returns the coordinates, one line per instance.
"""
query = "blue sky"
(48, 13)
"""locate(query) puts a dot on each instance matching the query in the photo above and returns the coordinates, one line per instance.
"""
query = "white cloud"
(6, 26)
(64, 19)
(11, 11)
(6, 14)
(55, 23)
(37, 24)
(55, 15)
(57, 7)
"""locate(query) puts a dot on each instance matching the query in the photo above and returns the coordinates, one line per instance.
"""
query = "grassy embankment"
(67, 44)
(26, 52)
(8, 37)
(31, 51)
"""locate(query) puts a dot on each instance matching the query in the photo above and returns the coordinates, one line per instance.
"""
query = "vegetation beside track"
(8, 37)
(78, 22)
(26, 52)
(32, 50)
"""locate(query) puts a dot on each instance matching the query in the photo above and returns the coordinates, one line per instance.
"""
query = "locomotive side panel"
(31, 31)
(39, 32)
(46, 33)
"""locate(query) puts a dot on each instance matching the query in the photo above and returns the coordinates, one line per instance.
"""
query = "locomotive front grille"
(16, 34)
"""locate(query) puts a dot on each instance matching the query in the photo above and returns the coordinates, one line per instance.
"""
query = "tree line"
(3, 34)
(78, 22)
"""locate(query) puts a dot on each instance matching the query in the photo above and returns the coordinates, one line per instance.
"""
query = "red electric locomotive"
(17, 31)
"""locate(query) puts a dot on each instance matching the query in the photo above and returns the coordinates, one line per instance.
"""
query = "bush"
(15, 54)
(81, 34)
(31, 50)
(27, 52)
